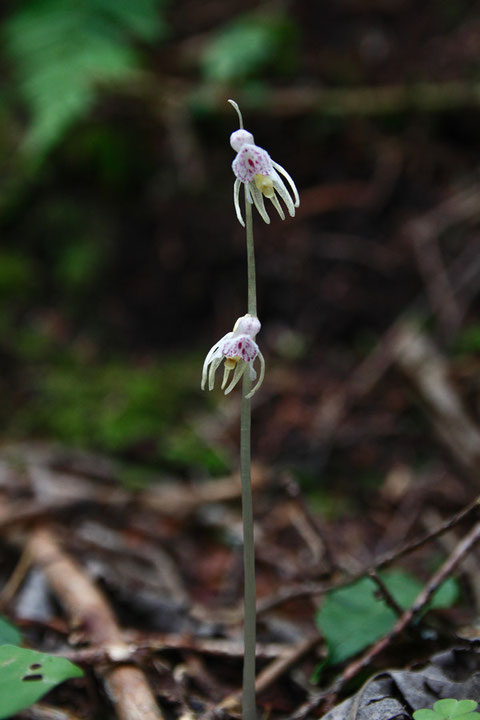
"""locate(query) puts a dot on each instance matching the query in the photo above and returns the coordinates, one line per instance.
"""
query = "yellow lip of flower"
(265, 185)
(230, 363)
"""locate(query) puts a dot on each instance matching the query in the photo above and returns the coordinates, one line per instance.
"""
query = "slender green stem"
(249, 622)
(252, 282)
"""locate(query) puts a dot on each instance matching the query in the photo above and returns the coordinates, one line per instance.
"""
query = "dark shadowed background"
(121, 260)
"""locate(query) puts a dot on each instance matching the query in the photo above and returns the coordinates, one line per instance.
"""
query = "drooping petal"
(259, 203)
(226, 372)
(212, 353)
(290, 181)
(279, 186)
(239, 370)
(236, 201)
(277, 206)
(261, 377)
(213, 369)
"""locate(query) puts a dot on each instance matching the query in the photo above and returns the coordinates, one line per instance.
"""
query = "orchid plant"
(261, 178)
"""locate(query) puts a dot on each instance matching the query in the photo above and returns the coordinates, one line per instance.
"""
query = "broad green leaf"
(447, 707)
(26, 675)
(9, 634)
(354, 617)
(425, 714)
(463, 707)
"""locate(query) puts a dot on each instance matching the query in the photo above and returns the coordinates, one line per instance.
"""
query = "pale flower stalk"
(239, 351)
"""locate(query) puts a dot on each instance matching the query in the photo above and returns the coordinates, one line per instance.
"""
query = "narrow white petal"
(277, 206)
(236, 201)
(290, 181)
(279, 186)
(259, 204)
(210, 355)
(260, 379)
(213, 369)
(248, 194)
(226, 373)
(239, 370)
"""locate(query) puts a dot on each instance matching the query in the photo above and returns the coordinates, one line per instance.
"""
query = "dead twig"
(310, 528)
(308, 589)
(463, 275)
(330, 695)
(46, 712)
(427, 370)
(142, 643)
(91, 615)
(385, 593)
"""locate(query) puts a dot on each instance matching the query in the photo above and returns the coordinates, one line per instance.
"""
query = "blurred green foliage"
(250, 44)
(468, 340)
(61, 52)
(115, 407)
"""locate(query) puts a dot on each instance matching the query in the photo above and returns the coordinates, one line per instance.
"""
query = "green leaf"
(446, 708)
(249, 44)
(26, 675)
(61, 51)
(9, 634)
(354, 617)
(463, 707)
(425, 714)
(451, 708)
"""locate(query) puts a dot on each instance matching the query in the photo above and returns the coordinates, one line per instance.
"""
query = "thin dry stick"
(425, 367)
(89, 611)
(307, 589)
(144, 644)
(422, 599)
(46, 712)
(438, 288)
(285, 660)
(385, 593)
(463, 273)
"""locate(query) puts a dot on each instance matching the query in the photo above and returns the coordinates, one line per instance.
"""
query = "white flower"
(254, 167)
(239, 350)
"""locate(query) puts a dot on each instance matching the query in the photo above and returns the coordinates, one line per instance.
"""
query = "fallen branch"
(330, 694)
(309, 589)
(90, 614)
(427, 370)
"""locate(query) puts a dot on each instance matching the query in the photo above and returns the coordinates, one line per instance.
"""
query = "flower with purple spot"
(255, 169)
(239, 350)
